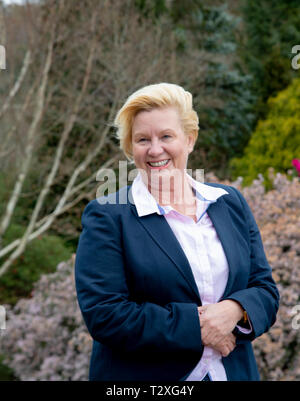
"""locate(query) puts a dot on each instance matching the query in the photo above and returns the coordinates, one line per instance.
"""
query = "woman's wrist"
(236, 309)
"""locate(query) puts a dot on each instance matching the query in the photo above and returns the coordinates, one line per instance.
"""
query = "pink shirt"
(204, 252)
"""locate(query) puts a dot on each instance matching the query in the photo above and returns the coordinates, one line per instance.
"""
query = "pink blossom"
(296, 164)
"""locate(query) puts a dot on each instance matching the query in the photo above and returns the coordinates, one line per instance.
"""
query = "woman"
(173, 284)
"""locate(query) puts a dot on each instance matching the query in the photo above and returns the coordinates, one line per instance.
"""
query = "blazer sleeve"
(261, 297)
(110, 314)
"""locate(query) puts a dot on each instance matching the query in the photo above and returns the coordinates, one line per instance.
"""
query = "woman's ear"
(191, 143)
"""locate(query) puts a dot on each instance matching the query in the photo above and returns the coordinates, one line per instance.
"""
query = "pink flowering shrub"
(46, 338)
(277, 213)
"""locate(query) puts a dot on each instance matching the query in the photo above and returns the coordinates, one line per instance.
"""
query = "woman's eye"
(143, 139)
(167, 136)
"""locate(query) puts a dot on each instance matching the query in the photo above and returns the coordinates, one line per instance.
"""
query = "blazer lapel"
(161, 233)
(219, 215)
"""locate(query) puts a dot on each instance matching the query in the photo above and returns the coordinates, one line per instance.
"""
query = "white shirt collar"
(146, 204)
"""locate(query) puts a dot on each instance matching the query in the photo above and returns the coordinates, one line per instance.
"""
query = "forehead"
(156, 119)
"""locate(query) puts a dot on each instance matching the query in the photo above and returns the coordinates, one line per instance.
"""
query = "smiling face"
(159, 142)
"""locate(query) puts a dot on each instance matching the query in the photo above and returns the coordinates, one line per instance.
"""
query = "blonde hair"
(150, 97)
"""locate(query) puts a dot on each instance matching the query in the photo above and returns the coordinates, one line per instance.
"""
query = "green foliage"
(276, 140)
(271, 29)
(6, 373)
(206, 33)
(225, 128)
(40, 257)
(224, 101)
(153, 8)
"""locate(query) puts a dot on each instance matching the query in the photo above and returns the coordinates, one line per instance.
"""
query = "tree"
(75, 65)
(276, 140)
(206, 37)
(87, 65)
(270, 30)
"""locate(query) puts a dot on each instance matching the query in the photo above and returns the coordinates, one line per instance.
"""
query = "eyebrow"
(137, 134)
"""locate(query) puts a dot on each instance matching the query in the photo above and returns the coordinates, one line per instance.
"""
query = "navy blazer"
(139, 299)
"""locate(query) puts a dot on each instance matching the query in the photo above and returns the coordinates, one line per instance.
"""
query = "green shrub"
(275, 141)
(269, 30)
(6, 373)
(40, 257)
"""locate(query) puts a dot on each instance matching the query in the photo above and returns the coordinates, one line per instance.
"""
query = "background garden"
(69, 67)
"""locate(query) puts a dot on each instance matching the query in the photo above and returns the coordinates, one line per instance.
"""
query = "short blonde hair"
(150, 97)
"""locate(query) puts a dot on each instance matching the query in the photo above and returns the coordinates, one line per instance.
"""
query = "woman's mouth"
(159, 164)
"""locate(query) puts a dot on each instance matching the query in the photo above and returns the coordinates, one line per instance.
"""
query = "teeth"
(158, 164)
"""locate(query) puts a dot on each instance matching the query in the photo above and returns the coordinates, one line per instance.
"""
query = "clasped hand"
(217, 322)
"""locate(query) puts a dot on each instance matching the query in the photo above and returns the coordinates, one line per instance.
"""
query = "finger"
(226, 341)
(201, 311)
(232, 336)
(230, 341)
(226, 353)
(213, 341)
(224, 350)
(202, 308)
(231, 346)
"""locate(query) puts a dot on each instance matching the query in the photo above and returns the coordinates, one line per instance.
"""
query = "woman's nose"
(155, 148)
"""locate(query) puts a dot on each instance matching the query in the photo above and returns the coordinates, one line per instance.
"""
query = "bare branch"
(121, 65)
(2, 27)
(30, 143)
(57, 159)
(78, 189)
(18, 83)
(44, 224)
(46, 221)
